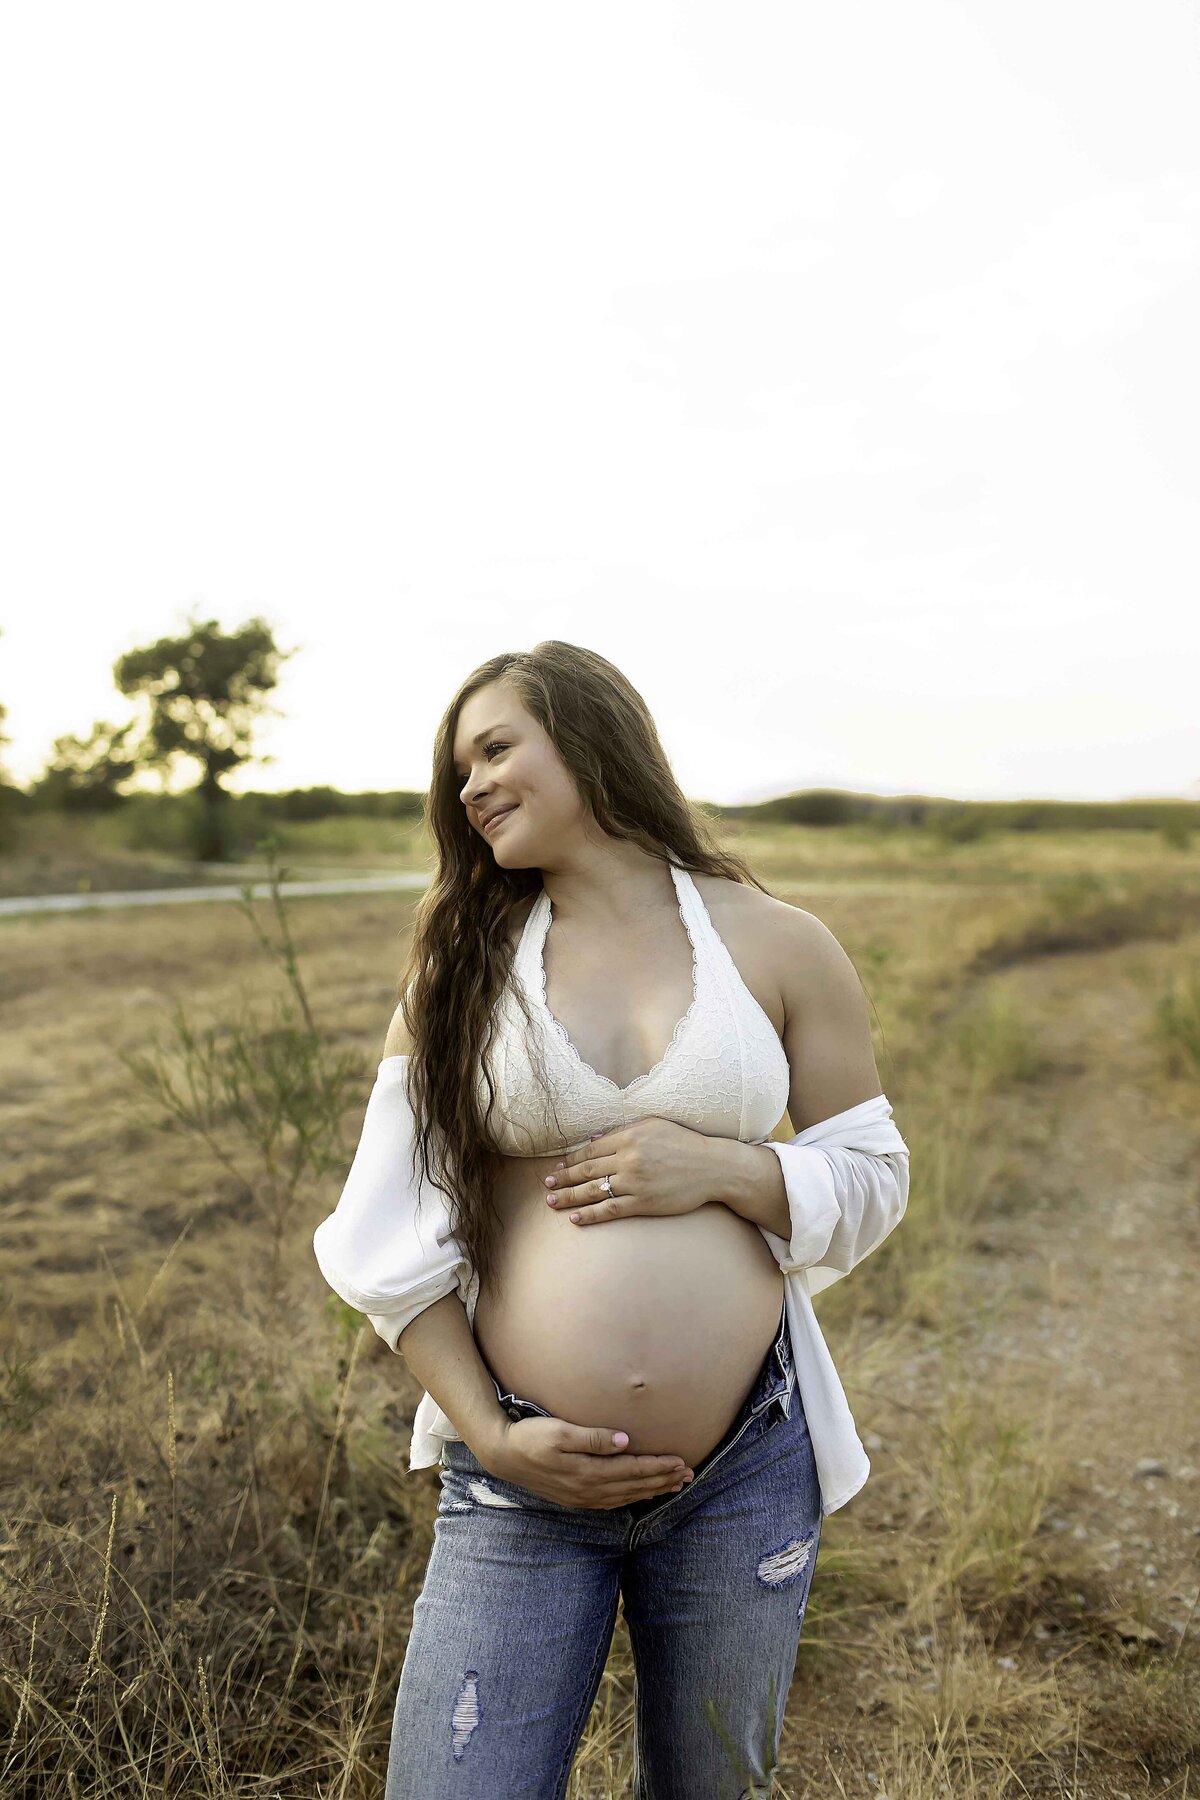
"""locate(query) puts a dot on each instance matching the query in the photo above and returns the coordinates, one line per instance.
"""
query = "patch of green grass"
(1176, 1021)
(1090, 911)
(995, 1037)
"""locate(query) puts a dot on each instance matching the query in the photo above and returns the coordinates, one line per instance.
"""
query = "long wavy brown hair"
(461, 944)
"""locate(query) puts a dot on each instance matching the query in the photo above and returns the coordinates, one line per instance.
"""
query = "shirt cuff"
(812, 1203)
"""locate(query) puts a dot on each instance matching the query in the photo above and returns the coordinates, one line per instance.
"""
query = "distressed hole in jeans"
(487, 1496)
(465, 1716)
(786, 1565)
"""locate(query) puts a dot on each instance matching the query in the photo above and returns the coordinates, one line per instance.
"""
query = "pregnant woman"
(565, 1214)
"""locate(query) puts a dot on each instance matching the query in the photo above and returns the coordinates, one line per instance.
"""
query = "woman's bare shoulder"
(785, 942)
(741, 900)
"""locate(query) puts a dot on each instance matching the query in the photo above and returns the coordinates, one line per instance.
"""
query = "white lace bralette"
(724, 1072)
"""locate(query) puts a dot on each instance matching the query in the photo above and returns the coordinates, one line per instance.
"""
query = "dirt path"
(1081, 1277)
(87, 900)
(1100, 1268)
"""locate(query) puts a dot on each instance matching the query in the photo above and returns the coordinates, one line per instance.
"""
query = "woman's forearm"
(439, 1347)
(749, 1180)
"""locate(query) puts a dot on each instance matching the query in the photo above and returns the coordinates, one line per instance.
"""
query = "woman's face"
(511, 773)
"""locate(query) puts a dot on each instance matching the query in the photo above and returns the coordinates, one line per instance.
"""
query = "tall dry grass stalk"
(264, 1092)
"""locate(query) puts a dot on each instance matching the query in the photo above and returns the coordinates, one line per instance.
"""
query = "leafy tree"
(85, 774)
(206, 692)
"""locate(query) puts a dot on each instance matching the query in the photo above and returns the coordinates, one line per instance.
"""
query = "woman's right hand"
(579, 1465)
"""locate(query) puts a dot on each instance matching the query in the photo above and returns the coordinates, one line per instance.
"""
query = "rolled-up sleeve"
(387, 1248)
(847, 1189)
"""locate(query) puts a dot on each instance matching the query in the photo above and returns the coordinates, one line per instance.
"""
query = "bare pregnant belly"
(657, 1327)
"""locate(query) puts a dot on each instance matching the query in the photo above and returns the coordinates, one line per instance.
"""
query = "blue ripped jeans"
(511, 1630)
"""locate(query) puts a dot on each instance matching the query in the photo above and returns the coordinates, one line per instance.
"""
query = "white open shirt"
(390, 1258)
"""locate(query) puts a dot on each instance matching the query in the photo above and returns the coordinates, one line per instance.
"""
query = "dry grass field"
(210, 1544)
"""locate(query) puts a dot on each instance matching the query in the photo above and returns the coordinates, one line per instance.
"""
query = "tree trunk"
(213, 832)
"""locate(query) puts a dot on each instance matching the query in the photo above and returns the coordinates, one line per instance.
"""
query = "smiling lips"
(494, 818)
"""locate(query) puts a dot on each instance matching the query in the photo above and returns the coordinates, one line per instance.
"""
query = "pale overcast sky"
(831, 369)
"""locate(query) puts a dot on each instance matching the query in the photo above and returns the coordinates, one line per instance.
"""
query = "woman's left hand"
(656, 1168)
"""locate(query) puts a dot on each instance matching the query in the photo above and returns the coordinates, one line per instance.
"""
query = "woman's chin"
(509, 856)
